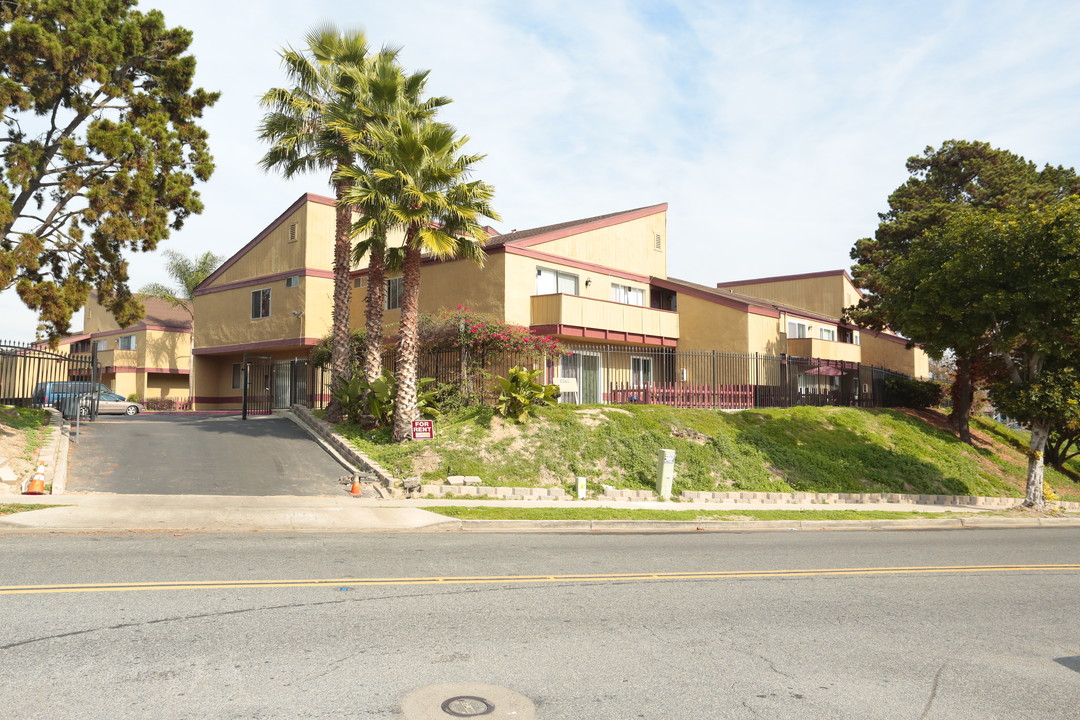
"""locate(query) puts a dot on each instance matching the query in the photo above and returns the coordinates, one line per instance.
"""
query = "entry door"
(585, 368)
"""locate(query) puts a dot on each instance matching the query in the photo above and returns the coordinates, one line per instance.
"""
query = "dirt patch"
(690, 434)
(592, 417)
(13, 447)
(426, 461)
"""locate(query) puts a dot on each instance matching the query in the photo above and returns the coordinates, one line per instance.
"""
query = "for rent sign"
(423, 429)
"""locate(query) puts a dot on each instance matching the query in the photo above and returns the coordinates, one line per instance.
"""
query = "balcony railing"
(824, 349)
(603, 318)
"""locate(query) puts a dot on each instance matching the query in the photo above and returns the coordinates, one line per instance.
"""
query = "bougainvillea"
(482, 334)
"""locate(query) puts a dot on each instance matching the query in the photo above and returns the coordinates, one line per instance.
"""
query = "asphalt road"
(952, 642)
(200, 455)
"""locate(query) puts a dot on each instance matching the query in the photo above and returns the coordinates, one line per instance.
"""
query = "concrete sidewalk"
(216, 513)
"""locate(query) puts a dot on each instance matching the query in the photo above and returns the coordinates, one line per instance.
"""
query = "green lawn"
(11, 508)
(800, 449)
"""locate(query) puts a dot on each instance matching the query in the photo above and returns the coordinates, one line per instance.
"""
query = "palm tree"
(418, 182)
(387, 92)
(324, 84)
(187, 273)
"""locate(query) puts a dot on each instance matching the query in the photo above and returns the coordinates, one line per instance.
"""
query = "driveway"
(200, 455)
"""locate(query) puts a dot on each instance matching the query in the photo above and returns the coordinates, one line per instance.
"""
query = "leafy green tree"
(296, 124)
(419, 184)
(959, 176)
(1011, 278)
(100, 149)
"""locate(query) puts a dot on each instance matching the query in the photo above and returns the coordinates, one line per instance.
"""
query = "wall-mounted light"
(297, 313)
(588, 282)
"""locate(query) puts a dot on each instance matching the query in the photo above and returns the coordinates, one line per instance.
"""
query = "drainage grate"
(467, 706)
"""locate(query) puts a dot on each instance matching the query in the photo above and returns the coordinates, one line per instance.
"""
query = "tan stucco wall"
(826, 295)
(275, 253)
(882, 352)
(520, 284)
(444, 285)
(224, 318)
(766, 334)
(628, 246)
(704, 325)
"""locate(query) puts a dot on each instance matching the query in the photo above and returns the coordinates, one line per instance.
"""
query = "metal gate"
(275, 385)
(32, 376)
(258, 372)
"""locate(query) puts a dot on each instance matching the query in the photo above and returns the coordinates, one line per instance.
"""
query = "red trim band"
(303, 199)
(263, 279)
(586, 227)
(598, 334)
(265, 345)
(133, 369)
(783, 278)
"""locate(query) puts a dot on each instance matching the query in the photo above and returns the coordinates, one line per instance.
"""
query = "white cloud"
(775, 130)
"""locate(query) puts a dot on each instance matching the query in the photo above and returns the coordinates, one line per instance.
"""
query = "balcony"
(823, 349)
(576, 316)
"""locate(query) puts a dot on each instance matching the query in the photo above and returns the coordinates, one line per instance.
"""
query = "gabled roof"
(161, 313)
(783, 278)
(305, 198)
(546, 233)
(753, 305)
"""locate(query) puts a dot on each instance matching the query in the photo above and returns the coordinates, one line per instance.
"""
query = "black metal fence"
(31, 375)
(617, 375)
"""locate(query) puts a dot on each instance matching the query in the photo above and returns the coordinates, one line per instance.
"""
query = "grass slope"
(800, 449)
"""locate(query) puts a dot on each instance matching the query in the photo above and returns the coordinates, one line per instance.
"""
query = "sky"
(775, 130)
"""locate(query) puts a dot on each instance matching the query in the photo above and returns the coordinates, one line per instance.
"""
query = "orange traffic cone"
(37, 483)
(355, 489)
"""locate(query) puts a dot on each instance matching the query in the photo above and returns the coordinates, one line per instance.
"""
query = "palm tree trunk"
(1034, 497)
(341, 350)
(409, 343)
(373, 314)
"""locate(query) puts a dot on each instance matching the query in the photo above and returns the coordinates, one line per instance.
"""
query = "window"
(394, 287)
(640, 371)
(292, 281)
(260, 303)
(550, 282)
(127, 342)
(237, 376)
(627, 295)
(100, 345)
(827, 333)
(358, 282)
(796, 330)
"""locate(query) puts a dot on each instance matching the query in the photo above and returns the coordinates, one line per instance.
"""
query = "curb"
(303, 416)
(691, 526)
(55, 453)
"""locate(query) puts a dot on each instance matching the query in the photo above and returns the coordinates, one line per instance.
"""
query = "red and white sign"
(423, 429)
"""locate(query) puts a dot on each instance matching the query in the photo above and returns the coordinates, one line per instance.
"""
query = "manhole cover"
(467, 706)
(466, 700)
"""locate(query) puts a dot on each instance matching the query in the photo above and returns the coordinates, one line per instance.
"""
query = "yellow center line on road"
(502, 579)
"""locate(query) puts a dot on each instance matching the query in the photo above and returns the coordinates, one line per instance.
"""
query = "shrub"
(358, 397)
(520, 394)
(133, 397)
(912, 393)
(170, 404)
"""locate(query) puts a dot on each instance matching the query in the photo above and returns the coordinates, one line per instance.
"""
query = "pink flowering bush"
(481, 334)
